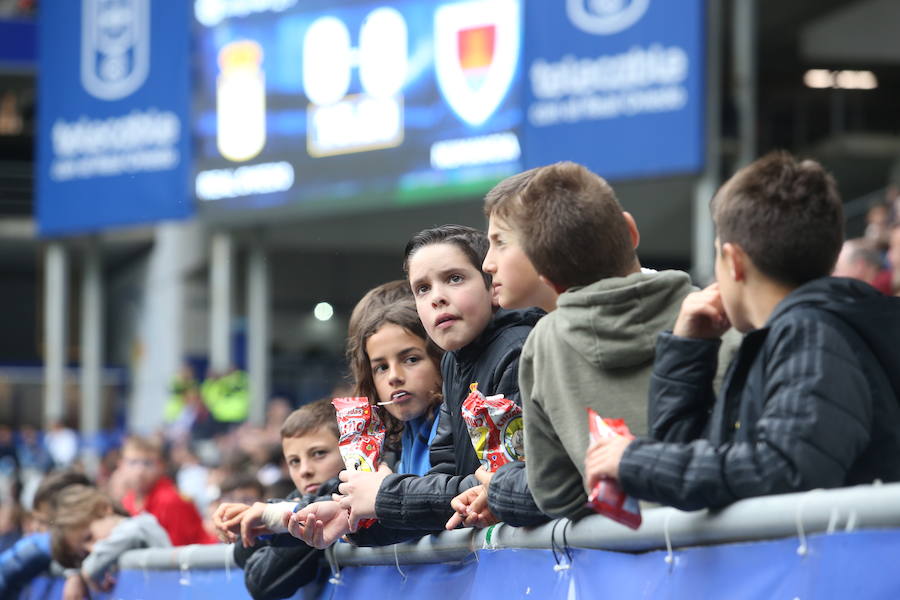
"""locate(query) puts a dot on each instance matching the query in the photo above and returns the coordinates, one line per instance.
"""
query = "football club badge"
(605, 17)
(115, 47)
(476, 52)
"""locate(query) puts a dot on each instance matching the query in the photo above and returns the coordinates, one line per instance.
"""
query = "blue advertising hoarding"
(617, 85)
(319, 105)
(113, 114)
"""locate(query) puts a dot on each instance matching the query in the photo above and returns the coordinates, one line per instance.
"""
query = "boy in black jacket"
(808, 402)
(277, 564)
(454, 300)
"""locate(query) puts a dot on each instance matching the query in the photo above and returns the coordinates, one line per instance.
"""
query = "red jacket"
(177, 515)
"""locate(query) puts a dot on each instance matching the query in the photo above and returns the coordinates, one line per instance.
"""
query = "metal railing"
(768, 517)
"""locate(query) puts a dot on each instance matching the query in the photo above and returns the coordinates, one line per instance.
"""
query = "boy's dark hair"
(402, 314)
(472, 242)
(54, 483)
(239, 481)
(311, 417)
(568, 221)
(785, 214)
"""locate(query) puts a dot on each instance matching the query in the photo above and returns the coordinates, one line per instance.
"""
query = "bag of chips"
(362, 433)
(362, 437)
(607, 498)
(496, 428)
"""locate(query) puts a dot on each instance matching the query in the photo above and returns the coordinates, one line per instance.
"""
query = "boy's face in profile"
(451, 298)
(312, 459)
(141, 469)
(515, 281)
(81, 540)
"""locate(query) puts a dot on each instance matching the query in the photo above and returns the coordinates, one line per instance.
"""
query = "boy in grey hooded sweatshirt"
(596, 349)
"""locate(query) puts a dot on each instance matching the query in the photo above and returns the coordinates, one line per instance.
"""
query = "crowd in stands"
(778, 377)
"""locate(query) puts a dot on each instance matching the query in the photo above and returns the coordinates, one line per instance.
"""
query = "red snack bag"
(362, 437)
(607, 498)
(495, 426)
(362, 434)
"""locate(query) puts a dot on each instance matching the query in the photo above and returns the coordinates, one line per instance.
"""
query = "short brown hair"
(147, 445)
(309, 418)
(77, 506)
(51, 485)
(786, 214)
(568, 221)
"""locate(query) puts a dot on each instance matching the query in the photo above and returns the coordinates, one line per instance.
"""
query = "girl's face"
(451, 298)
(402, 371)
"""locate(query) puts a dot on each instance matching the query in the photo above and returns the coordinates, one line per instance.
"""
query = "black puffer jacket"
(277, 566)
(410, 506)
(807, 403)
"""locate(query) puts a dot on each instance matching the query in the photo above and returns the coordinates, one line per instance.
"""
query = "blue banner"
(838, 566)
(616, 86)
(113, 105)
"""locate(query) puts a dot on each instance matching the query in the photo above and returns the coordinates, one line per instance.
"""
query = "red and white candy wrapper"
(362, 433)
(495, 426)
(607, 498)
(362, 437)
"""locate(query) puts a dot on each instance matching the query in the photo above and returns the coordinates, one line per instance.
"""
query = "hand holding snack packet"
(607, 498)
(496, 428)
(362, 437)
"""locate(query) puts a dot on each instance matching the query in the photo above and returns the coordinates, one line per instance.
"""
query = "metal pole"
(92, 332)
(744, 67)
(703, 252)
(55, 342)
(258, 330)
(220, 292)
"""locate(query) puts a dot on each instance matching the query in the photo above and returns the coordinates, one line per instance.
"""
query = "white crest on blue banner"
(115, 47)
(605, 17)
(474, 94)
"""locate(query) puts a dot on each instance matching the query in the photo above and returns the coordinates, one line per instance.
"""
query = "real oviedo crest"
(115, 47)
(476, 54)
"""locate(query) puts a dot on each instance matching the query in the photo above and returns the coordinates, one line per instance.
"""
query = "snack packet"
(607, 498)
(496, 428)
(362, 434)
(362, 437)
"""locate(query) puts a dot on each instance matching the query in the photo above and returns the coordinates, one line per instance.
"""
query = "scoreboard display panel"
(324, 106)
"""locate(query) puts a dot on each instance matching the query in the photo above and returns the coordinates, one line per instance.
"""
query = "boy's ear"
(735, 261)
(556, 288)
(632, 229)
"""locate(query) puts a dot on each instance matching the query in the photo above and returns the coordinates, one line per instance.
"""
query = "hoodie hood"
(614, 322)
(838, 294)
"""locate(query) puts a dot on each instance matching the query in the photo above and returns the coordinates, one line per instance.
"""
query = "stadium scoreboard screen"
(323, 105)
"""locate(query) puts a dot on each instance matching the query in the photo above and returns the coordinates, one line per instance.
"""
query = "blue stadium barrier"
(821, 544)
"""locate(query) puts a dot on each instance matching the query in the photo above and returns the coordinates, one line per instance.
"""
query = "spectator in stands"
(275, 567)
(810, 401)
(30, 556)
(893, 257)
(878, 225)
(149, 490)
(90, 533)
(859, 259)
